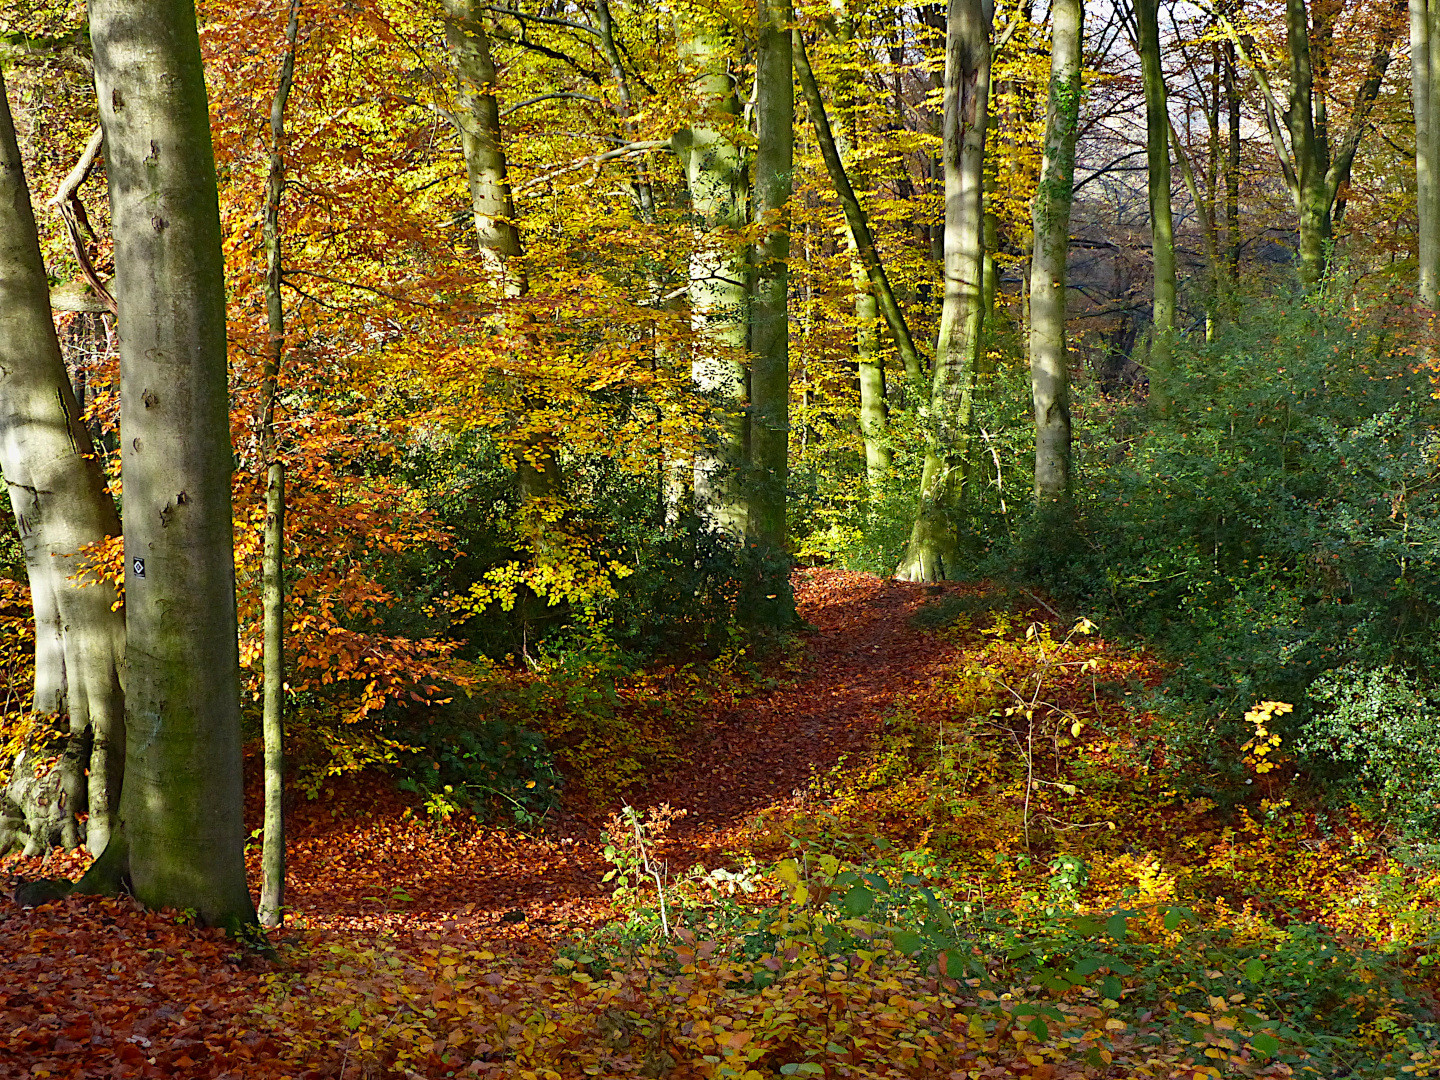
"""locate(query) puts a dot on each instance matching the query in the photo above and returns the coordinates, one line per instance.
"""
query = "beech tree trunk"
(932, 553)
(61, 505)
(1162, 226)
(1050, 215)
(715, 175)
(770, 310)
(1425, 72)
(491, 202)
(1232, 167)
(272, 856)
(182, 831)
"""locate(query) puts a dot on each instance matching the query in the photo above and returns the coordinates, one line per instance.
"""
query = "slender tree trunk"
(770, 308)
(1162, 227)
(537, 466)
(58, 495)
(715, 175)
(272, 856)
(1232, 167)
(874, 293)
(1424, 67)
(181, 809)
(932, 553)
(1049, 359)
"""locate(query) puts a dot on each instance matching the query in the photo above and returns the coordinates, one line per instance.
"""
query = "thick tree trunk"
(770, 308)
(1162, 226)
(1425, 68)
(1049, 359)
(61, 505)
(932, 552)
(181, 808)
(492, 205)
(272, 856)
(715, 175)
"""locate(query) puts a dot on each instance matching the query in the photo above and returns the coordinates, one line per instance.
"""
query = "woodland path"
(383, 871)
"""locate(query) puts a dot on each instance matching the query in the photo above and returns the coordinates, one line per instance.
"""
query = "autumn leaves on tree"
(770, 273)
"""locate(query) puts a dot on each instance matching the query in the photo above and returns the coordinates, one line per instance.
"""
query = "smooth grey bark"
(181, 807)
(1162, 225)
(492, 204)
(716, 177)
(932, 553)
(61, 505)
(1425, 72)
(272, 855)
(1050, 216)
(770, 304)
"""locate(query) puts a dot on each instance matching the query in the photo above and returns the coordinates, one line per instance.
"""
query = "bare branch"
(66, 202)
(548, 97)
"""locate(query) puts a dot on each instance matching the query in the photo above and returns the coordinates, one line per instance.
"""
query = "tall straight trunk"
(870, 362)
(1425, 73)
(492, 205)
(932, 553)
(1232, 166)
(716, 177)
(1049, 359)
(181, 809)
(770, 308)
(1306, 145)
(272, 855)
(1162, 226)
(58, 495)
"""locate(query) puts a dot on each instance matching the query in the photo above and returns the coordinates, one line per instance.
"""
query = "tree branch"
(548, 97)
(66, 202)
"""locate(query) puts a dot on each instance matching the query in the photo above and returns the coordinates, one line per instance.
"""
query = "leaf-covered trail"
(100, 988)
(384, 870)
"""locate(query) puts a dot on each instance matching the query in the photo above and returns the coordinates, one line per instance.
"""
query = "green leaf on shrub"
(1116, 926)
(1255, 970)
(858, 901)
(1265, 1044)
(1111, 987)
(907, 941)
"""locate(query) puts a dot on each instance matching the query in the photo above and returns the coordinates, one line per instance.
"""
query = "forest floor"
(382, 899)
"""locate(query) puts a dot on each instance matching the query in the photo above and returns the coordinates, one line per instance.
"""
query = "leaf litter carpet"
(101, 988)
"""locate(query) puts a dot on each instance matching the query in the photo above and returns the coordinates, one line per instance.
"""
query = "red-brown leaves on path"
(99, 988)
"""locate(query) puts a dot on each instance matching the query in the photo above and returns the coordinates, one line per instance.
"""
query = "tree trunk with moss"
(715, 176)
(182, 833)
(1050, 214)
(932, 553)
(272, 855)
(61, 505)
(492, 204)
(1425, 96)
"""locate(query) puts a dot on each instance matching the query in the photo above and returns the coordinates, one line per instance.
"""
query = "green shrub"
(492, 769)
(1384, 734)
